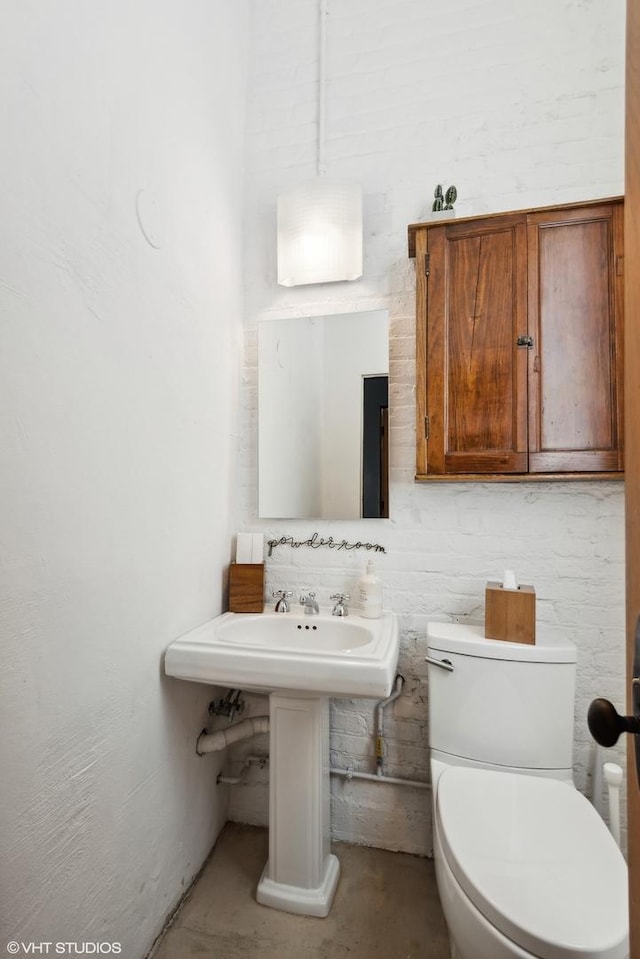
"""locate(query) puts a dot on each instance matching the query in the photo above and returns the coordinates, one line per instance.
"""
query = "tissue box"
(246, 587)
(510, 614)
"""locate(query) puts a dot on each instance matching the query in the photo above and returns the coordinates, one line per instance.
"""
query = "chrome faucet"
(341, 608)
(282, 606)
(310, 605)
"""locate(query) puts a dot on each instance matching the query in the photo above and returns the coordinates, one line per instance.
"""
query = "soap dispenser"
(370, 593)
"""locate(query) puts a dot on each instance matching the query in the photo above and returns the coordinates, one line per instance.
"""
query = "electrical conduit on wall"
(399, 683)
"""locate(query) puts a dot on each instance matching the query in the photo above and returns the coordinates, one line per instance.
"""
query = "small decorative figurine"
(444, 202)
(450, 197)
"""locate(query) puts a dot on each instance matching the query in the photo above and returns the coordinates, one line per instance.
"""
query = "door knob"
(606, 724)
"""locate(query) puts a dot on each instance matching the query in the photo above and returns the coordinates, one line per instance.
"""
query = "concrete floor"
(386, 907)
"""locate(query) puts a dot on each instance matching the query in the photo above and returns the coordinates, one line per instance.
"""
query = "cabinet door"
(471, 370)
(575, 318)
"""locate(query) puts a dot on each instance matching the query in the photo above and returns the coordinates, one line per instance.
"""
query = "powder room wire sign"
(315, 542)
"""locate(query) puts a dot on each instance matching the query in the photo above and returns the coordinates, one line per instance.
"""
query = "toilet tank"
(505, 704)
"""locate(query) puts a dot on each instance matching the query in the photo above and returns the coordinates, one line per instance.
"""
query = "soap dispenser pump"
(370, 591)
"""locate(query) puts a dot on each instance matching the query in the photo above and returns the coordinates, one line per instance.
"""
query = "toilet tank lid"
(471, 641)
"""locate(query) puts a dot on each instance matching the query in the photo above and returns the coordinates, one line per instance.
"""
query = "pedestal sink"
(300, 661)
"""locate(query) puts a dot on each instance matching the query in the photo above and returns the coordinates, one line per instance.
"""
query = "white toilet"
(525, 866)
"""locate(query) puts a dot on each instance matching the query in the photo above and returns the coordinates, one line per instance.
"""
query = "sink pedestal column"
(301, 874)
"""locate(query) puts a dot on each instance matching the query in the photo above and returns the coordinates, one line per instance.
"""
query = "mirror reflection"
(323, 416)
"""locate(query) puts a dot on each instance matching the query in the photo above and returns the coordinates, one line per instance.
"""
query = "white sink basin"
(266, 652)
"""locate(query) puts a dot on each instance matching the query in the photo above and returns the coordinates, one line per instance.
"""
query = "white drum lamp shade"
(320, 232)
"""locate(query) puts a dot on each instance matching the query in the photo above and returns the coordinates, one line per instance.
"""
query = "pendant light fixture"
(320, 220)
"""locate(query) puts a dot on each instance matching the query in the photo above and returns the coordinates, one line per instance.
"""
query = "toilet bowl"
(525, 866)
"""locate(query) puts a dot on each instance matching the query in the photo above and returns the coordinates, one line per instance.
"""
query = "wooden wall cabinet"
(519, 344)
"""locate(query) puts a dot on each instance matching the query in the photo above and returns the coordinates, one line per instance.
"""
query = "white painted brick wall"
(518, 104)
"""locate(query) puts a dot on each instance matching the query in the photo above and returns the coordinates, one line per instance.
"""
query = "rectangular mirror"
(323, 448)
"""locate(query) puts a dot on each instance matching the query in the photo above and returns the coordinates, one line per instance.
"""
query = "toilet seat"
(536, 859)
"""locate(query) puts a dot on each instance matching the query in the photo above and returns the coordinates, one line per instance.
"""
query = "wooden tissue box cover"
(510, 614)
(246, 587)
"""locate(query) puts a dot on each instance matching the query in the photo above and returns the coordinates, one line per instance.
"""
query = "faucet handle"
(340, 609)
(282, 606)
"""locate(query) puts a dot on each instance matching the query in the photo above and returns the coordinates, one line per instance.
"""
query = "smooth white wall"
(120, 304)
(518, 105)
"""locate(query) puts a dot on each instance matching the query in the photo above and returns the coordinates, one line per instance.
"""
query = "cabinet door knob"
(525, 341)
